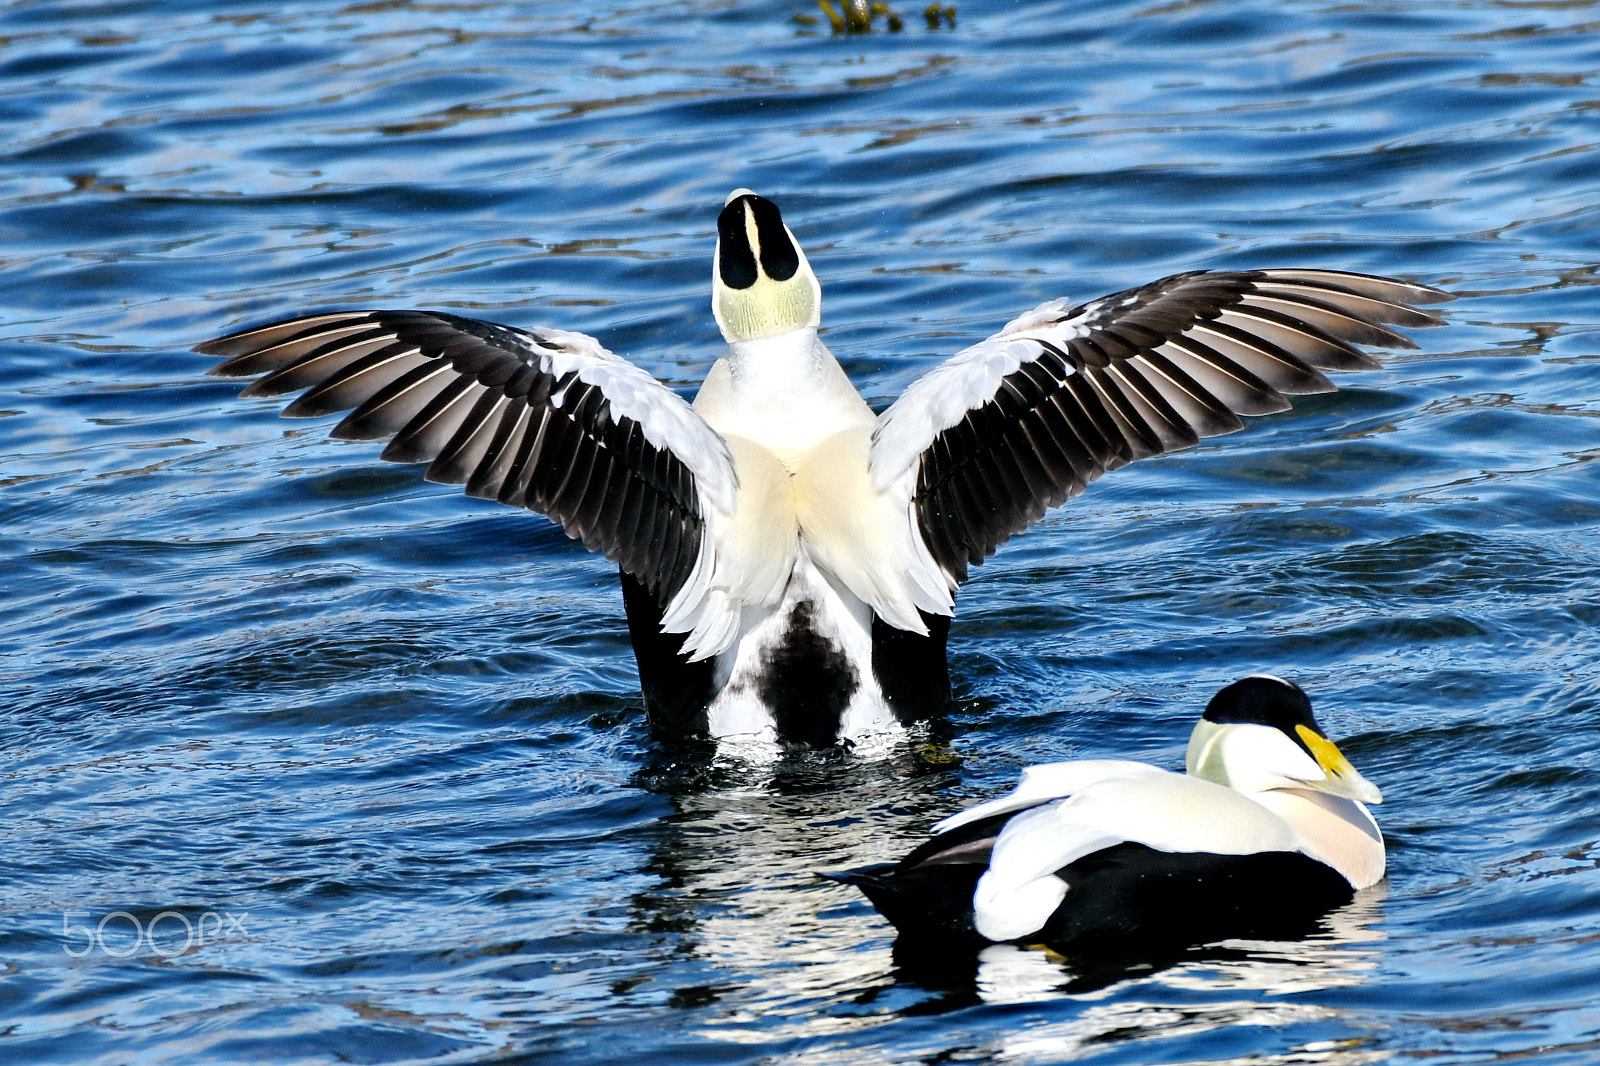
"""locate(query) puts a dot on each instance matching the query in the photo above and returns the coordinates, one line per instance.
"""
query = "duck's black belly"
(1132, 896)
(1125, 902)
(805, 682)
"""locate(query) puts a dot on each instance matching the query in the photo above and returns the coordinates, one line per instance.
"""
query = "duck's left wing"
(985, 443)
(543, 419)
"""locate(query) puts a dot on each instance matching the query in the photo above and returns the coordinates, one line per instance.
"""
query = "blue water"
(307, 761)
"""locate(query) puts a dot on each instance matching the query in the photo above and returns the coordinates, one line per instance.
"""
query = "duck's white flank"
(1126, 803)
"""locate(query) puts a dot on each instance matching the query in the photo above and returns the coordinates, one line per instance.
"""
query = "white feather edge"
(709, 614)
(1047, 781)
(665, 418)
(966, 381)
(929, 406)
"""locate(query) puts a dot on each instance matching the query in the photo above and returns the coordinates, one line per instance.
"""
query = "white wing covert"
(983, 445)
(1048, 781)
(542, 419)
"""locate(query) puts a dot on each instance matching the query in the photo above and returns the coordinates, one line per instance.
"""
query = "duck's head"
(1259, 734)
(761, 284)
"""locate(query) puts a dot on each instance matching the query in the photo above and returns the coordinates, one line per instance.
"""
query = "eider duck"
(789, 558)
(1266, 832)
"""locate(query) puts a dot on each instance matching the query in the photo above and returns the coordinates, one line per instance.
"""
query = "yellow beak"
(1343, 779)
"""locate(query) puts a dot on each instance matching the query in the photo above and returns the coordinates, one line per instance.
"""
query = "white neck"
(786, 392)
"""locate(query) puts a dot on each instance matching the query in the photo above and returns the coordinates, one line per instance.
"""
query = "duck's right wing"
(542, 419)
(981, 446)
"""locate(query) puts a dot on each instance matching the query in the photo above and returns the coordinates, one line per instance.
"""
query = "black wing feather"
(482, 405)
(1144, 372)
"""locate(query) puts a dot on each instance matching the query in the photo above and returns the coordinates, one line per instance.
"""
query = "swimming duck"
(1266, 831)
(789, 558)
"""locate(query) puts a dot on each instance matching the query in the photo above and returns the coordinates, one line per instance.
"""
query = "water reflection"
(739, 895)
(1009, 974)
(1124, 1022)
(1223, 987)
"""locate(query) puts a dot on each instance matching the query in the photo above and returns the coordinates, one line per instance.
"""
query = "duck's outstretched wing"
(986, 442)
(542, 419)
